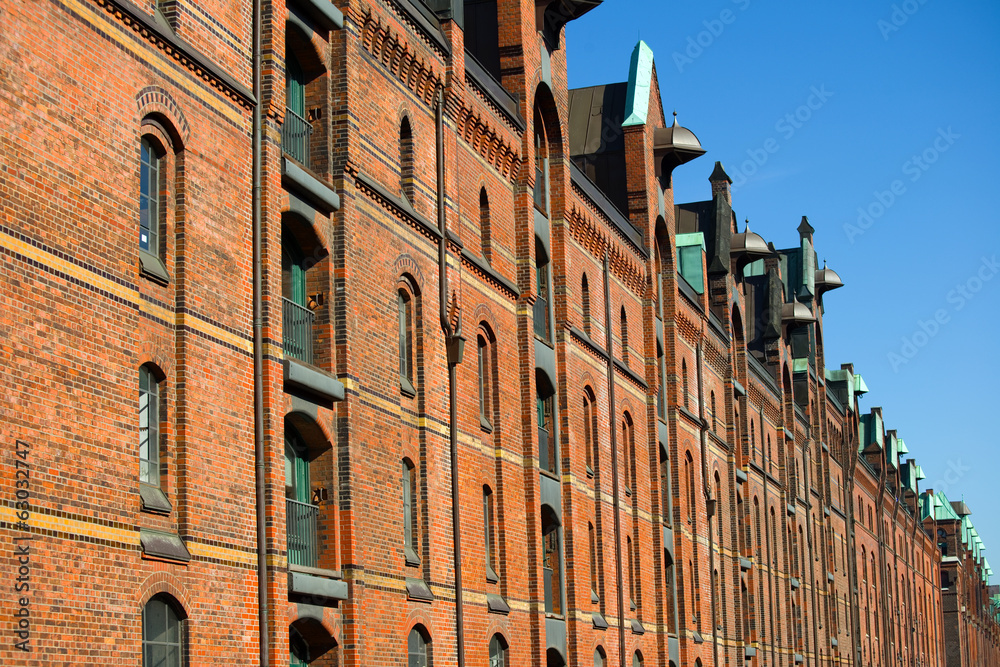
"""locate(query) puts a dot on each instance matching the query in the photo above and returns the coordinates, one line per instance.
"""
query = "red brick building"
(317, 314)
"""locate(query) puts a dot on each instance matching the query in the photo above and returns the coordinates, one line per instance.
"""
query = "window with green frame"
(293, 274)
(295, 85)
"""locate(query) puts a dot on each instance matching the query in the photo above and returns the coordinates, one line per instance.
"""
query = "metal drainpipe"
(852, 572)
(707, 491)
(454, 343)
(258, 359)
(614, 460)
(887, 654)
(812, 546)
(767, 533)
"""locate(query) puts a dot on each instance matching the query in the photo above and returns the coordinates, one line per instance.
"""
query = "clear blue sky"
(921, 83)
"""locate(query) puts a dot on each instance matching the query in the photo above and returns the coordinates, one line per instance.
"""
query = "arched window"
(485, 359)
(404, 305)
(417, 648)
(406, 158)
(585, 302)
(411, 513)
(717, 592)
(489, 534)
(541, 197)
(548, 451)
(296, 131)
(684, 382)
(669, 585)
(149, 427)
(592, 535)
(718, 512)
(598, 657)
(589, 430)
(498, 651)
(551, 561)
(631, 572)
(485, 231)
(300, 511)
(664, 469)
(624, 330)
(715, 415)
(628, 444)
(540, 312)
(163, 641)
(152, 187)
(689, 483)
(637, 659)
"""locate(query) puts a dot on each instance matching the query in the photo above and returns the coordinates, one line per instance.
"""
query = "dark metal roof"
(596, 138)
(560, 12)
(678, 141)
(827, 279)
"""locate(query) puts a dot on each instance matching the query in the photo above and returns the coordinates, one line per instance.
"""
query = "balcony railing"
(301, 533)
(297, 327)
(541, 316)
(296, 133)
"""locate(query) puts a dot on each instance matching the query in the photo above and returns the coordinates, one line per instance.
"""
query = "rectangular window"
(485, 384)
(690, 259)
(404, 305)
(411, 539)
(489, 536)
(149, 198)
(149, 428)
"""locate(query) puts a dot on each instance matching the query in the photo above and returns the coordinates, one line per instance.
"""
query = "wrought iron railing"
(296, 133)
(297, 328)
(300, 530)
(541, 316)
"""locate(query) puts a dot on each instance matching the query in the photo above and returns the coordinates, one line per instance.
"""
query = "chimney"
(720, 183)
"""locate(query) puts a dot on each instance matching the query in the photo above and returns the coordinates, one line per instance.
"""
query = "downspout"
(812, 546)
(455, 345)
(886, 653)
(767, 533)
(852, 569)
(710, 505)
(614, 461)
(895, 573)
(258, 344)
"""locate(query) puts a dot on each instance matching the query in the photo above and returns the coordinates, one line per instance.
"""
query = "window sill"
(153, 500)
(491, 575)
(485, 424)
(550, 475)
(590, 472)
(406, 387)
(412, 559)
(153, 267)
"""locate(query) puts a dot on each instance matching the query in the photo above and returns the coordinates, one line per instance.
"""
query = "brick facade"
(654, 464)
